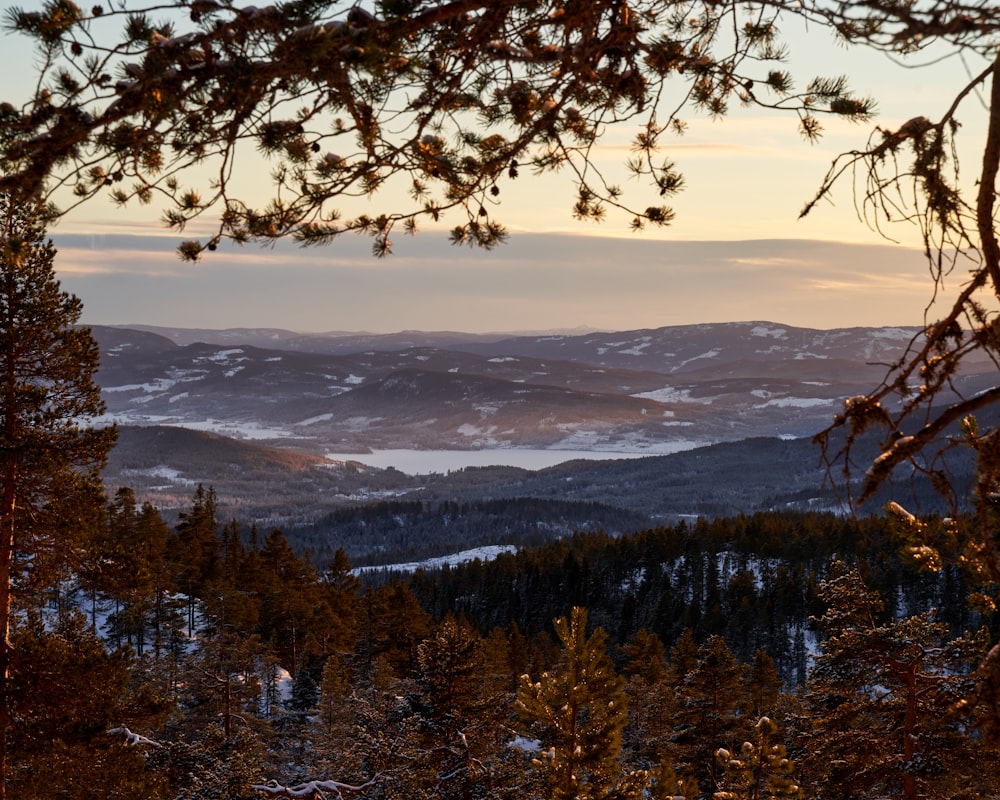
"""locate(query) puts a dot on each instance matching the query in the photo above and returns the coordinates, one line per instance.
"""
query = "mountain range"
(270, 417)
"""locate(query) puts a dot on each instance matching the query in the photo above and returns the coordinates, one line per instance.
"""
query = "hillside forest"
(774, 655)
(791, 654)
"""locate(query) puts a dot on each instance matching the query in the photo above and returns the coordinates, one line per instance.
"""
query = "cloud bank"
(534, 282)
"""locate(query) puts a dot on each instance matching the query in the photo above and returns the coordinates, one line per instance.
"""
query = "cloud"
(535, 282)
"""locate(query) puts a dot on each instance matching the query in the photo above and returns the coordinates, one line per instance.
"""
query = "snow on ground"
(166, 473)
(159, 385)
(637, 350)
(314, 420)
(715, 352)
(482, 437)
(772, 333)
(526, 745)
(671, 394)
(797, 402)
(486, 553)
(893, 334)
(238, 430)
(224, 356)
(234, 430)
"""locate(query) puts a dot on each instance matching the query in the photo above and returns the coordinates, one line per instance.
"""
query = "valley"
(677, 422)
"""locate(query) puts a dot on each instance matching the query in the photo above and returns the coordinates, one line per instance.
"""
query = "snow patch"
(772, 333)
(715, 352)
(486, 553)
(159, 385)
(163, 473)
(314, 420)
(892, 334)
(637, 350)
(671, 394)
(224, 356)
(796, 402)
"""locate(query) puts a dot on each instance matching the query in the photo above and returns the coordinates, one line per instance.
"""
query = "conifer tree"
(578, 712)
(711, 708)
(68, 698)
(451, 672)
(650, 698)
(153, 533)
(125, 562)
(194, 548)
(50, 459)
(883, 696)
(340, 589)
(761, 769)
(391, 624)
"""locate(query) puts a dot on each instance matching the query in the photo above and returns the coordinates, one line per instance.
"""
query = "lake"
(422, 462)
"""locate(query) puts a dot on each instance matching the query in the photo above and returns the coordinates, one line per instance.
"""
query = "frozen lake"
(421, 462)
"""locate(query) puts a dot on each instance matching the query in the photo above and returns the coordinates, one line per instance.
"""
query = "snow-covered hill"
(640, 391)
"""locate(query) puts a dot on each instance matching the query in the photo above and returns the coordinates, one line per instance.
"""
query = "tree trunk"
(6, 575)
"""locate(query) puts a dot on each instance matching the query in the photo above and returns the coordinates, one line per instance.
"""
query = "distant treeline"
(397, 531)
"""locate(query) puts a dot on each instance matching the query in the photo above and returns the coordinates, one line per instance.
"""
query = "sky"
(735, 252)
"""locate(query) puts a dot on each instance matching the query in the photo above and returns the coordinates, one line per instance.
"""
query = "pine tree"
(153, 534)
(761, 769)
(650, 699)
(711, 709)
(578, 712)
(340, 588)
(50, 460)
(450, 671)
(883, 696)
(125, 562)
(67, 699)
(391, 624)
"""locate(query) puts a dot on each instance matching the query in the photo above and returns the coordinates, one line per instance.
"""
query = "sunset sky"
(735, 252)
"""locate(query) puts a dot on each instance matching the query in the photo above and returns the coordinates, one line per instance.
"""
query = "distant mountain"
(257, 422)
(330, 343)
(638, 391)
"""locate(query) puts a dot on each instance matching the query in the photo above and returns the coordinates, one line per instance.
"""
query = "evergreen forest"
(790, 655)
(774, 655)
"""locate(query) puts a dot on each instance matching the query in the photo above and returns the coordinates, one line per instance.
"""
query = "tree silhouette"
(50, 460)
(443, 101)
